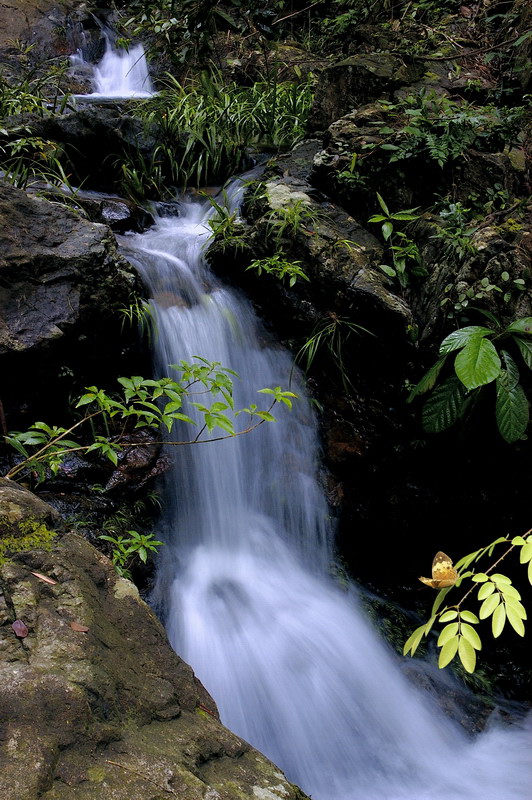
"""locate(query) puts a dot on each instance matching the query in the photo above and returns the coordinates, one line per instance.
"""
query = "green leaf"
(517, 606)
(529, 573)
(526, 553)
(512, 370)
(480, 577)
(445, 406)
(485, 590)
(388, 270)
(389, 147)
(447, 616)
(518, 540)
(498, 620)
(522, 326)
(387, 230)
(525, 347)
(449, 632)
(383, 205)
(413, 641)
(461, 337)
(428, 380)
(489, 605)
(468, 616)
(511, 410)
(515, 619)
(467, 655)
(478, 363)
(500, 580)
(469, 633)
(448, 652)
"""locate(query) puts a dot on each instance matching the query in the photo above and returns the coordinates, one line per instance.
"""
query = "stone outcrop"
(93, 701)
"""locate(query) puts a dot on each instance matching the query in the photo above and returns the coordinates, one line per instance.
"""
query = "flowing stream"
(244, 586)
(120, 74)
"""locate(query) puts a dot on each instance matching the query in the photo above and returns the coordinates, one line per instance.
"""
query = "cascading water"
(243, 583)
(121, 74)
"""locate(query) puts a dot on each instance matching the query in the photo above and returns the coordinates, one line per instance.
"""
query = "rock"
(110, 711)
(356, 81)
(57, 271)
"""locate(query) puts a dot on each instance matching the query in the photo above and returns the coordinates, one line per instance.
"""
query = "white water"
(121, 74)
(244, 588)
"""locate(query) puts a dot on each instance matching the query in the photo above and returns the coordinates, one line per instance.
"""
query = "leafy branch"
(144, 403)
(498, 598)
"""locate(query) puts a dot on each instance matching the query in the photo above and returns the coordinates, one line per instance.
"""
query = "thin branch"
(479, 51)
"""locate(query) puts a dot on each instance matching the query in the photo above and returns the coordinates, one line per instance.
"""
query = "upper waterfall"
(120, 74)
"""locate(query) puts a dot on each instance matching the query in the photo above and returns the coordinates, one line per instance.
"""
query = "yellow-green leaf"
(519, 607)
(448, 652)
(471, 635)
(498, 620)
(467, 655)
(468, 616)
(413, 641)
(485, 590)
(447, 616)
(499, 579)
(530, 571)
(489, 605)
(515, 620)
(526, 553)
(449, 632)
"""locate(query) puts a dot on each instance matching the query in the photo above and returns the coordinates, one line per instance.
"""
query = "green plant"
(288, 220)
(331, 334)
(280, 268)
(144, 403)
(458, 230)
(226, 225)
(406, 258)
(499, 602)
(126, 550)
(481, 359)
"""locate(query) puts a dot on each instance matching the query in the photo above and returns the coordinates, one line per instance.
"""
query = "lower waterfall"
(243, 582)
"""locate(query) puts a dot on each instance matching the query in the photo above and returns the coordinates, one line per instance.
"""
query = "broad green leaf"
(515, 619)
(509, 591)
(469, 633)
(428, 380)
(461, 337)
(485, 590)
(449, 632)
(480, 577)
(413, 641)
(511, 411)
(525, 347)
(478, 363)
(517, 606)
(518, 540)
(468, 616)
(523, 326)
(489, 605)
(467, 655)
(387, 230)
(498, 620)
(529, 572)
(448, 652)
(445, 406)
(447, 616)
(500, 580)
(512, 370)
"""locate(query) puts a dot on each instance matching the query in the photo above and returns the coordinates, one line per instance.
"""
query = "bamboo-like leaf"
(469, 633)
(467, 655)
(498, 620)
(458, 339)
(412, 643)
(511, 410)
(489, 605)
(478, 363)
(448, 652)
(445, 406)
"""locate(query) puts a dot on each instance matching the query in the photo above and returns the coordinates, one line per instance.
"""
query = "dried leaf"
(43, 578)
(77, 627)
(21, 631)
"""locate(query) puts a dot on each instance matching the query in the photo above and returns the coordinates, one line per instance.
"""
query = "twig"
(167, 789)
(455, 56)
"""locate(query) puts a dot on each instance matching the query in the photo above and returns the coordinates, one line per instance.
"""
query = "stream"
(244, 584)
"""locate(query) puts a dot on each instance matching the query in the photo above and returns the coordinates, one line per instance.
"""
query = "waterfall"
(243, 584)
(121, 74)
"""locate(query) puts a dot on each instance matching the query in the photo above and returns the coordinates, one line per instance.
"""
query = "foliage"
(498, 598)
(127, 550)
(480, 360)
(442, 129)
(332, 334)
(144, 403)
(206, 126)
(289, 220)
(406, 258)
(280, 267)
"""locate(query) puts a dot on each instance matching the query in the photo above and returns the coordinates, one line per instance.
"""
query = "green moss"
(32, 534)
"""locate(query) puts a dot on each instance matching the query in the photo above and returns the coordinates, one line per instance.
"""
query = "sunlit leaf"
(498, 620)
(478, 363)
(448, 652)
(467, 655)
(489, 605)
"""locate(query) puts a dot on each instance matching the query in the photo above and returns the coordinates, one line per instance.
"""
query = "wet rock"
(111, 710)
(57, 272)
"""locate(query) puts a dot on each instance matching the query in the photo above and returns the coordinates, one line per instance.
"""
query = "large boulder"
(93, 701)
